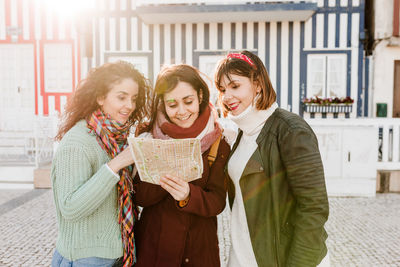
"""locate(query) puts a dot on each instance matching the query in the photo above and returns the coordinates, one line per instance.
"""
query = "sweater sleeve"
(300, 154)
(210, 200)
(79, 190)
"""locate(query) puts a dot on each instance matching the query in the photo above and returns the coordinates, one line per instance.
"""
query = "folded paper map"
(154, 158)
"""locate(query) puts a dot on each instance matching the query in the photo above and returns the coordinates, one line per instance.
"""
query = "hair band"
(242, 57)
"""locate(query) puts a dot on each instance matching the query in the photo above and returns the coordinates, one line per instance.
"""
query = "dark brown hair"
(97, 84)
(168, 79)
(257, 73)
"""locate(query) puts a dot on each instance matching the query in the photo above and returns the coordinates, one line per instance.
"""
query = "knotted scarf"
(112, 137)
(205, 127)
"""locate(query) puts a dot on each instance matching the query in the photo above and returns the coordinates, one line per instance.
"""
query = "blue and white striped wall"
(335, 27)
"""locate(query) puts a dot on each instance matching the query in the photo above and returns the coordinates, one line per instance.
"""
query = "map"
(154, 158)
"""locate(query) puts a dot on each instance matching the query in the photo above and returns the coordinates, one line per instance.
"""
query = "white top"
(250, 121)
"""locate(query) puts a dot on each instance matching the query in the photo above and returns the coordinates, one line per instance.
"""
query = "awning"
(164, 14)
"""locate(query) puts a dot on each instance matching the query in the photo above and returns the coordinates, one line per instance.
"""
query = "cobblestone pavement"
(362, 231)
(10, 194)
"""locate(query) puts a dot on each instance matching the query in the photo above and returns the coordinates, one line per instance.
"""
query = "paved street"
(362, 231)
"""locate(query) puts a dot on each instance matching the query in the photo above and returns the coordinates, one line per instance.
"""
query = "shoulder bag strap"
(212, 155)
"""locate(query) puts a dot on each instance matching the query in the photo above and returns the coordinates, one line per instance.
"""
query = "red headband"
(242, 57)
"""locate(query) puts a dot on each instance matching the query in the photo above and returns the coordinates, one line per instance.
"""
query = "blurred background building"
(334, 62)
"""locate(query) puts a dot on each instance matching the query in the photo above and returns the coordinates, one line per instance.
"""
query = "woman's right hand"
(122, 160)
(178, 188)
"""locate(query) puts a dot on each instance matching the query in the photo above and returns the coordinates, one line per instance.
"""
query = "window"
(207, 65)
(326, 75)
(58, 68)
(139, 62)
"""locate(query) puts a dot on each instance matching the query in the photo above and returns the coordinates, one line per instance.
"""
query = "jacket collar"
(239, 136)
(255, 162)
(267, 126)
(256, 156)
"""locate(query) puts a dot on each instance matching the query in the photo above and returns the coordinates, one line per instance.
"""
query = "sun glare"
(69, 8)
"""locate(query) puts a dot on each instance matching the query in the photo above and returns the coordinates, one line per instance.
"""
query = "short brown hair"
(256, 73)
(168, 79)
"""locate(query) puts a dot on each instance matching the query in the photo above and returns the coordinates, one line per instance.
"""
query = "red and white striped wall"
(53, 53)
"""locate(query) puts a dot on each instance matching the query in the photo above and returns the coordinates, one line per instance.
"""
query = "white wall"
(349, 152)
(383, 18)
(383, 80)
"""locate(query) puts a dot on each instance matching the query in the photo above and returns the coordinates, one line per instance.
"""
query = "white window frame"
(58, 68)
(204, 62)
(141, 63)
(327, 74)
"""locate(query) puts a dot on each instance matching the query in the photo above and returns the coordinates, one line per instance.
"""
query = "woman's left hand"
(178, 188)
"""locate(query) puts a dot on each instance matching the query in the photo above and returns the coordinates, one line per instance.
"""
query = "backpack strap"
(212, 155)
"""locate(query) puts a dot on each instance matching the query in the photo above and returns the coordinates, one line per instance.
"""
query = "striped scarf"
(112, 137)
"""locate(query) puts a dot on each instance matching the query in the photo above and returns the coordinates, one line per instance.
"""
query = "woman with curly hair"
(92, 168)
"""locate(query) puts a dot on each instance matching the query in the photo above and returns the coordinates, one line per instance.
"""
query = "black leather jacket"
(284, 193)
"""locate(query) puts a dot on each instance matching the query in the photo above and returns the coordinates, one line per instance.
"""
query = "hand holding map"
(155, 158)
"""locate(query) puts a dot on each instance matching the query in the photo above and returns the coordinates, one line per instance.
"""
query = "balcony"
(332, 108)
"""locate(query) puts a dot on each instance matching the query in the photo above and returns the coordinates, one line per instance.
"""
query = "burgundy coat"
(169, 236)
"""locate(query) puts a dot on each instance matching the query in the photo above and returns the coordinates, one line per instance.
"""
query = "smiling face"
(182, 105)
(120, 101)
(238, 93)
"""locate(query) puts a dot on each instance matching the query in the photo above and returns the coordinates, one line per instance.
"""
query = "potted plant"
(328, 105)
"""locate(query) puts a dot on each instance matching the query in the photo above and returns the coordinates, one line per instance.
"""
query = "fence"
(388, 137)
(389, 144)
(45, 129)
(31, 146)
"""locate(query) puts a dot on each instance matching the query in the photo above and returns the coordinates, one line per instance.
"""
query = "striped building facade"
(308, 47)
(39, 62)
(292, 38)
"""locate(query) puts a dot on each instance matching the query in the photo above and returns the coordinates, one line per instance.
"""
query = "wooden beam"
(396, 20)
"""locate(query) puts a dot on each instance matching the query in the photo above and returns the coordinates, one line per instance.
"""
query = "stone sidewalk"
(362, 231)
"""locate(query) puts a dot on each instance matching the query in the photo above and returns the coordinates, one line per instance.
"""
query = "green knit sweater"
(85, 196)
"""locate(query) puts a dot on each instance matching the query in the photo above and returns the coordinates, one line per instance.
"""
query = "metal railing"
(39, 144)
(389, 144)
(45, 129)
(388, 137)
(29, 147)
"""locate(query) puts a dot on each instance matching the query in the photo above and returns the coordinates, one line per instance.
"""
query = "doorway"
(17, 98)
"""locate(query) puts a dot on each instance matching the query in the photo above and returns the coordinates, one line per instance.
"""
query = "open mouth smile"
(184, 118)
(233, 106)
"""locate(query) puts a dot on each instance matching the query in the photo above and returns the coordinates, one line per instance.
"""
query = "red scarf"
(163, 129)
(112, 137)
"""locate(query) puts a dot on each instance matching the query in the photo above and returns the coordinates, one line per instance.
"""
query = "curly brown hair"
(257, 74)
(97, 84)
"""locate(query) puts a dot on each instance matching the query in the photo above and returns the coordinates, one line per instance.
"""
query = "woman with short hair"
(276, 188)
(178, 224)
